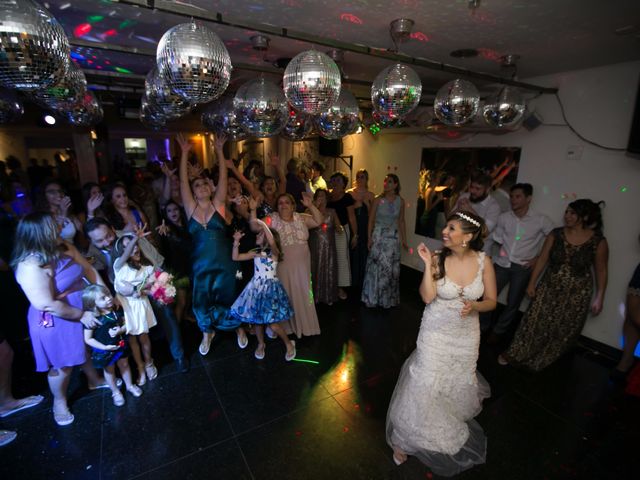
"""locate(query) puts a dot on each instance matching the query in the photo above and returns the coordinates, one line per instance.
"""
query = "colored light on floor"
(82, 29)
(95, 18)
(122, 70)
(304, 360)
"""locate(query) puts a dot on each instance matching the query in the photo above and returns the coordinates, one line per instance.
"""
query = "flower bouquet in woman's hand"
(160, 286)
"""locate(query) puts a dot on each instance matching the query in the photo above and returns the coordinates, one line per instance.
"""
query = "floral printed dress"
(263, 300)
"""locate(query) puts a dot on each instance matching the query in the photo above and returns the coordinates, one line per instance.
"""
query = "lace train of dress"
(439, 390)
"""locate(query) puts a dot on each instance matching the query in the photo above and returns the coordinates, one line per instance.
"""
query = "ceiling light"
(49, 120)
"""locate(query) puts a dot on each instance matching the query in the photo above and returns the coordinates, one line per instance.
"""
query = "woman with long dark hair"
(439, 390)
(563, 298)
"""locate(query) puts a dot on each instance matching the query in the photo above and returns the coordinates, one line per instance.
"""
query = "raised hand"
(425, 253)
(194, 171)
(307, 199)
(237, 235)
(162, 229)
(94, 203)
(274, 159)
(220, 140)
(140, 231)
(65, 205)
(185, 145)
(167, 171)
(253, 203)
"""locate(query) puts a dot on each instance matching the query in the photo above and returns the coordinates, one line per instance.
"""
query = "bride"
(439, 391)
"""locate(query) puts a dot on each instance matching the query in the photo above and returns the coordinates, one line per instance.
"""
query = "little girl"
(107, 341)
(131, 268)
(264, 300)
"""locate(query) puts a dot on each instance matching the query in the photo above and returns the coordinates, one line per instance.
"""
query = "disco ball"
(340, 119)
(311, 82)
(194, 62)
(34, 50)
(86, 111)
(71, 87)
(504, 109)
(10, 106)
(150, 115)
(299, 126)
(396, 91)
(261, 108)
(385, 121)
(456, 102)
(158, 93)
(221, 117)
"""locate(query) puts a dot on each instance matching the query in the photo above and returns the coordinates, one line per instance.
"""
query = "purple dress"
(58, 342)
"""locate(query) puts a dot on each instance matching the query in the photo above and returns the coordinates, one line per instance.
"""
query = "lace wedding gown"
(439, 390)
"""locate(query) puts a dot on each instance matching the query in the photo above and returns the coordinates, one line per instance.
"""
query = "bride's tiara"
(466, 217)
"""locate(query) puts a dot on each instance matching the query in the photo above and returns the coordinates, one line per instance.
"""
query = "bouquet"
(160, 286)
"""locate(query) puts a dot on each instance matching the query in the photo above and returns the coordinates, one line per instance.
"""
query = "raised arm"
(282, 178)
(166, 186)
(315, 220)
(185, 188)
(220, 197)
(235, 254)
(246, 183)
(601, 267)
(90, 273)
(428, 284)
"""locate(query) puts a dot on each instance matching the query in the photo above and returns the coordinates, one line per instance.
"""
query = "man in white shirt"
(520, 233)
(478, 201)
(316, 181)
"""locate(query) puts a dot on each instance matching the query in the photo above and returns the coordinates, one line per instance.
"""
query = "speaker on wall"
(329, 148)
(634, 135)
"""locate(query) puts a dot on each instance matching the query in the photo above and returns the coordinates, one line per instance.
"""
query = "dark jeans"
(517, 276)
(169, 324)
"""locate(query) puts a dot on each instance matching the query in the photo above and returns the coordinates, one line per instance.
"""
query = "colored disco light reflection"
(122, 70)
(421, 37)
(95, 18)
(304, 360)
(82, 29)
(126, 23)
(623, 189)
(110, 33)
(349, 17)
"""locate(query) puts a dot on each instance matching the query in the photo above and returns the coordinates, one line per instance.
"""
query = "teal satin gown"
(214, 274)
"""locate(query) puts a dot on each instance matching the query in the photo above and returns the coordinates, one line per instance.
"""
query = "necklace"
(204, 223)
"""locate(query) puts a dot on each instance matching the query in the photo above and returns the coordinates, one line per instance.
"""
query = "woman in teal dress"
(214, 272)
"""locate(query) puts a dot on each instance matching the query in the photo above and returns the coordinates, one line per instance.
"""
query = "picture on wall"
(445, 174)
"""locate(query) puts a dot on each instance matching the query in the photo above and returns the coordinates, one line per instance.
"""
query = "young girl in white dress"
(131, 268)
(439, 390)
(264, 300)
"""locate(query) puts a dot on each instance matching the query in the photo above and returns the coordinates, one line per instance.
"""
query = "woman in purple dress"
(50, 272)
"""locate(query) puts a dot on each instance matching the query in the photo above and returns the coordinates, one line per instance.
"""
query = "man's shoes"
(183, 365)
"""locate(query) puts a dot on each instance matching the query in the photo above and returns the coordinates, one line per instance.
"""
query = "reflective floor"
(321, 417)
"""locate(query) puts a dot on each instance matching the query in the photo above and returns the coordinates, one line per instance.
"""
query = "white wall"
(599, 104)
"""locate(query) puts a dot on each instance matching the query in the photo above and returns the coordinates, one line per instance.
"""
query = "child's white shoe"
(135, 390)
(118, 398)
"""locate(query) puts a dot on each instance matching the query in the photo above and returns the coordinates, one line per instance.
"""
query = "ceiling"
(549, 35)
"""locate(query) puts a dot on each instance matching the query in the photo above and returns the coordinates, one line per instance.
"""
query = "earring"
(464, 244)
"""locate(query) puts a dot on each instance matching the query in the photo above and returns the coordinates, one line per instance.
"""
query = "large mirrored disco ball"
(298, 127)
(194, 62)
(261, 108)
(150, 116)
(221, 117)
(396, 91)
(172, 105)
(71, 87)
(340, 119)
(86, 111)
(456, 102)
(311, 82)
(505, 109)
(11, 108)
(34, 50)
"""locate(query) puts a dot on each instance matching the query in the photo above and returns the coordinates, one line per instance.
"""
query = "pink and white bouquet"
(160, 287)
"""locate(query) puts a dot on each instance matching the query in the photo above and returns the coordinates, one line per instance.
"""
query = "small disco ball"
(261, 108)
(194, 62)
(456, 102)
(150, 116)
(311, 82)
(10, 106)
(340, 119)
(299, 126)
(71, 87)
(85, 112)
(34, 50)
(504, 109)
(221, 117)
(158, 93)
(396, 91)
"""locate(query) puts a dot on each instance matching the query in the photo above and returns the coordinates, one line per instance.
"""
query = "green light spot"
(304, 360)
(518, 237)
(127, 23)
(122, 70)
(623, 189)
(95, 18)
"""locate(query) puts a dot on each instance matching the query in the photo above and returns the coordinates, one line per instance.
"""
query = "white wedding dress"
(439, 390)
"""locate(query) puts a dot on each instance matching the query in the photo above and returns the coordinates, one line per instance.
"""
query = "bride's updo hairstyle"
(470, 223)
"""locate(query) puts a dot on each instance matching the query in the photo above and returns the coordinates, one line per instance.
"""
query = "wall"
(599, 104)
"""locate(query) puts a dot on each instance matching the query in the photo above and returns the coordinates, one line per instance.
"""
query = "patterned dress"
(382, 278)
(324, 266)
(439, 390)
(559, 310)
(264, 300)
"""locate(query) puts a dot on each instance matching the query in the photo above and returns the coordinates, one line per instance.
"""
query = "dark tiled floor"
(233, 417)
